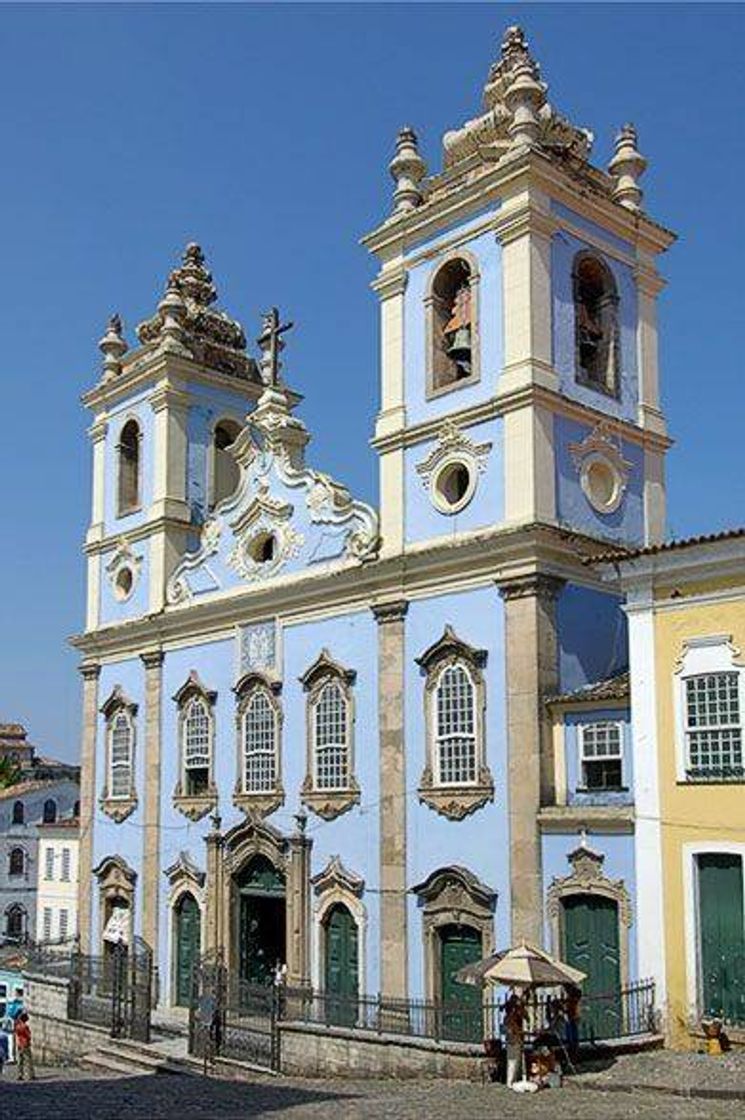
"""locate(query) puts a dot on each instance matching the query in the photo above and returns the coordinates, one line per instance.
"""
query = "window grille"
(601, 755)
(121, 756)
(64, 919)
(259, 744)
(455, 727)
(49, 863)
(47, 924)
(65, 865)
(330, 731)
(713, 728)
(196, 731)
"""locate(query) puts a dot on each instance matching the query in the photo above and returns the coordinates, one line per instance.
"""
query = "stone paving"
(77, 1095)
(697, 1073)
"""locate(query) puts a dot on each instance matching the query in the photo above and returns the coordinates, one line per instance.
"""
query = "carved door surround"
(117, 883)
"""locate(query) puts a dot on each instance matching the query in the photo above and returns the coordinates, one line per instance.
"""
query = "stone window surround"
(449, 896)
(335, 885)
(454, 801)
(263, 803)
(184, 877)
(16, 908)
(614, 390)
(701, 654)
(328, 803)
(455, 254)
(119, 808)
(195, 806)
(116, 880)
(588, 878)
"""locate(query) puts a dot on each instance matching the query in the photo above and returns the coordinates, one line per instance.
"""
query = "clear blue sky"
(265, 133)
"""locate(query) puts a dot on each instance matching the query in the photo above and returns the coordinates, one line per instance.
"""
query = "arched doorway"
(341, 964)
(187, 937)
(260, 917)
(591, 942)
(459, 945)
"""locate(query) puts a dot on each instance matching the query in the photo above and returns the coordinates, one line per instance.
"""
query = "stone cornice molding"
(89, 670)
(98, 429)
(390, 283)
(514, 224)
(393, 611)
(147, 364)
(536, 585)
(153, 658)
(167, 396)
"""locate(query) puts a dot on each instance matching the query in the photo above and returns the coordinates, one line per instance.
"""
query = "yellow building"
(686, 612)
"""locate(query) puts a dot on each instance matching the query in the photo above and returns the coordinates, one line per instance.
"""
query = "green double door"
(721, 936)
(462, 1012)
(188, 937)
(261, 921)
(591, 943)
(341, 966)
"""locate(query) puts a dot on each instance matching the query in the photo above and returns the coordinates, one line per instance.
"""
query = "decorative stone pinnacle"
(526, 93)
(173, 309)
(627, 167)
(113, 346)
(407, 169)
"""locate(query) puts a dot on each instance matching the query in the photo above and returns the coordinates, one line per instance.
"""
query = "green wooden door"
(188, 922)
(341, 966)
(462, 1010)
(261, 921)
(591, 944)
(721, 936)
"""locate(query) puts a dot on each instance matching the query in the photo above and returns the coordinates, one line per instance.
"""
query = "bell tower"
(165, 414)
(517, 292)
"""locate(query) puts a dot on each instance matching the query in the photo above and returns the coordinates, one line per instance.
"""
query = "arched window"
(330, 786)
(121, 737)
(452, 326)
(16, 861)
(225, 471)
(259, 743)
(596, 323)
(196, 734)
(330, 741)
(50, 811)
(19, 812)
(129, 468)
(456, 779)
(15, 922)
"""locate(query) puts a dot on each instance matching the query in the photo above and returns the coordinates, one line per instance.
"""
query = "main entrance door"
(260, 921)
(462, 1011)
(187, 921)
(341, 979)
(721, 936)
(591, 944)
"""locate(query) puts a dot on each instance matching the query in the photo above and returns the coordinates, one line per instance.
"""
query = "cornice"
(391, 282)
(393, 611)
(138, 533)
(573, 818)
(145, 369)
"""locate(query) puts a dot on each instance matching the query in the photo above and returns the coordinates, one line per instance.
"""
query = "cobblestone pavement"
(77, 1095)
(671, 1068)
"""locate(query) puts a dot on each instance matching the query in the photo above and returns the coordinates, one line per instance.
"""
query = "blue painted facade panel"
(111, 609)
(208, 407)
(576, 793)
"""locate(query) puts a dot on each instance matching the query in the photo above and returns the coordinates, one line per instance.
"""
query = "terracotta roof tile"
(620, 553)
(612, 688)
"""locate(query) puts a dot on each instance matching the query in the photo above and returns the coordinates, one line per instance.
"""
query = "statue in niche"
(457, 331)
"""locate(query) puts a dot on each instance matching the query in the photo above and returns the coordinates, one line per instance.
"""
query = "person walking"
(24, 1054)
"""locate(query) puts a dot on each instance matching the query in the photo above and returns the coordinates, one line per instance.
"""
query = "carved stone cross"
(271, 345)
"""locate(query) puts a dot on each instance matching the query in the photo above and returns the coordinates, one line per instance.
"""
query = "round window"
(602, 484)
(263, 548)
(453, 486)
(123, 583)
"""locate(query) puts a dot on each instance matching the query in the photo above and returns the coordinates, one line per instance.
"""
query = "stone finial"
(113, 346)
(526, 93)
(172, 309)
(407, 168)
(626, 168)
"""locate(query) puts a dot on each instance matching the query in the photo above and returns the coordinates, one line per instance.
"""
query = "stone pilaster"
(531, 673)
(393, 916)
(153, 662)
(214, 940)
(298, 907)
(90, 673)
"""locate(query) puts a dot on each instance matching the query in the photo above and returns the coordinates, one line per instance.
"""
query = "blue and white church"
(373, 744)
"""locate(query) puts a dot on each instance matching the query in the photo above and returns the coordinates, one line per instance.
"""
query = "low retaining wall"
(56, 1039)
(311, 1050)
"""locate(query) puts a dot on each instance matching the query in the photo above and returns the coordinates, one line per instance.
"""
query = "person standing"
(24, 1053)
(514, 1029)
(573, 1013)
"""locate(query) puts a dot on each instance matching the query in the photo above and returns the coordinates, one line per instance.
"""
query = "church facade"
(373, 744)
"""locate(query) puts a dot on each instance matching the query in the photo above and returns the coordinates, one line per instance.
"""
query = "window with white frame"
(47, 924)
(65, 874)
(713, 724)
(121, 751)
(455, 734)
(49, 863)
(64, 924)
(196, 734)
(259, 728)
(330, 739)
(601, 755)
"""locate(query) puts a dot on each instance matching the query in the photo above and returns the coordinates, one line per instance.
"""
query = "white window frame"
(341, 747)
(259, 692)
(66, 865)
(583, 758)
(188, 764)
(125, 795)
(438, 739)
(701, 656)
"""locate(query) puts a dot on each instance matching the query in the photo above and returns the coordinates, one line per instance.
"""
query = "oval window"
(123, 583)
(453, 486)
(263, 548)
(602, 484)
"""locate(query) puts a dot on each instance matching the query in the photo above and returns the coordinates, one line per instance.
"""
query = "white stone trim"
(185, 886)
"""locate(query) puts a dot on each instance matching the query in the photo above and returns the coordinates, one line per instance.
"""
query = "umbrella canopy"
(521, 967)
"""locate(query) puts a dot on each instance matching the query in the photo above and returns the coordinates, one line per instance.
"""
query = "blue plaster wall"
(488, 253)
(135, 407)
(564, 248)
(572, 505)
(592, 633)
(619, 864)
(575, 794)
(111, 609)
(207, 407)
(424, 520)
(481, 841)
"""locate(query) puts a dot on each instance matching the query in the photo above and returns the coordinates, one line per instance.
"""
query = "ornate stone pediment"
(455, 886)
(184, 872)
(603, 471)
(453, 443)
(123, 570)
(193, 686)
(117, 699)
(587, 877)
(448, 646)
(323, 667)
(115, 875)
(335, 876)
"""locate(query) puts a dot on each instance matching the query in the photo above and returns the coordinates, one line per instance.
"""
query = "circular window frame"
(438, 499)
(619, 483)
(122, 594)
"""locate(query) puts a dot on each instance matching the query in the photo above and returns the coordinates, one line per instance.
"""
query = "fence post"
(379, 1013)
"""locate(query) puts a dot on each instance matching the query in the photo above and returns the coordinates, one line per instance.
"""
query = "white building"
(57, 887)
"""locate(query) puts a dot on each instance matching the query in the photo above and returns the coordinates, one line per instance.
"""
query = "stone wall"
(320, 1051)
(55, 1039)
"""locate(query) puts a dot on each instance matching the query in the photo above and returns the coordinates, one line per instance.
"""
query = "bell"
(459, 347)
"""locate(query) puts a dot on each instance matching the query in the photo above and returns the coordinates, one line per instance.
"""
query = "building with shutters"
(57, 881)
(372, 743)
